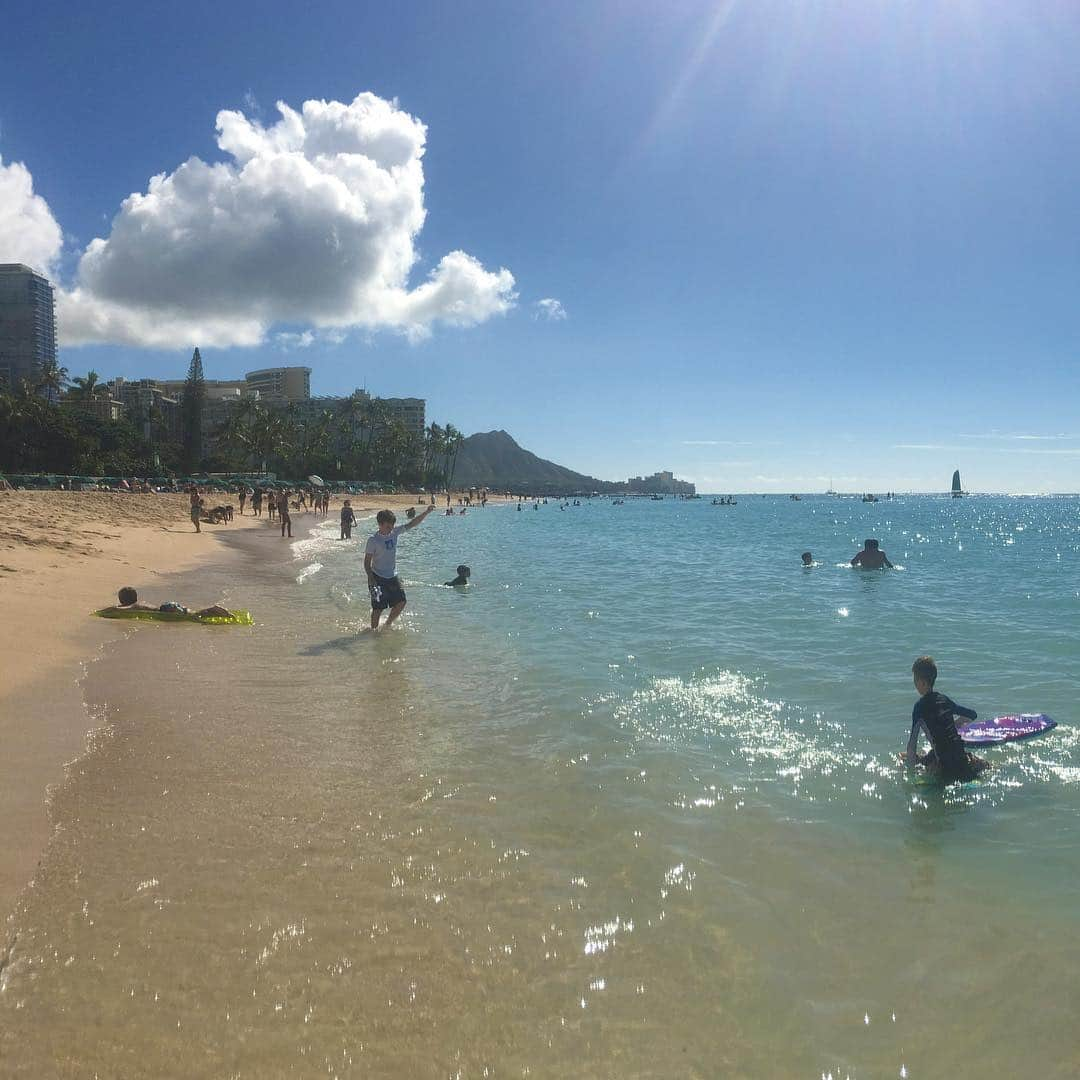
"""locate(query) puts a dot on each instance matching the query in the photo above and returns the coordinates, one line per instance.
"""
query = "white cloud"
(716, 442)
(287, 340)
(1020, 438)
(928, 446)
(28, 231)
(549, 309)
(1060, 453)
(1066, 452)
(309, 221)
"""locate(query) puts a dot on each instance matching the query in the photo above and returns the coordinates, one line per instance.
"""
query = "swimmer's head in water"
(807, 558)
(463, 571)
(870, 545)
(127, 595)
(925, 670)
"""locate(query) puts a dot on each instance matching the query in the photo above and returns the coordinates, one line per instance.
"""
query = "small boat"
(957, 490)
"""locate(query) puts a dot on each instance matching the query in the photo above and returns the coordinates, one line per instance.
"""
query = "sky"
(771, 246)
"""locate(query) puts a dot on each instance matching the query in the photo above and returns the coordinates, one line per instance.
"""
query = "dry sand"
(62, 556)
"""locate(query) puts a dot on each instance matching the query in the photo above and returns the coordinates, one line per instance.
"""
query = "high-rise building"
(662, 483)
(101, 406)
(281, 384)
(214, 388)
(27, 323)
(154, 412)
(409, 410)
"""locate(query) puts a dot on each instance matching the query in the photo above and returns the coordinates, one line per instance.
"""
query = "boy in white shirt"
(380, 555)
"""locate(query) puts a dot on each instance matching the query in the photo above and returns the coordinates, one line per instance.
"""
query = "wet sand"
(62, 556)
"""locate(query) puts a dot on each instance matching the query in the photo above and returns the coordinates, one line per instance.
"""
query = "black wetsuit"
(935, 713)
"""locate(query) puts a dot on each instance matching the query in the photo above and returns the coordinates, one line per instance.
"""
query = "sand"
(62, 556)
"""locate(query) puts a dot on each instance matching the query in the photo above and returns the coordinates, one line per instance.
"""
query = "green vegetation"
(38, 436)
(356, 439)
(192, 402)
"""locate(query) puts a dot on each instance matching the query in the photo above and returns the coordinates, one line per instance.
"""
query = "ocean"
(626, 806)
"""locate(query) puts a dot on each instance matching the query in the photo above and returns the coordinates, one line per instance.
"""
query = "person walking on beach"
(242, 495)
(380, 557)
(256, 502)
(283, 513)
(196, 509)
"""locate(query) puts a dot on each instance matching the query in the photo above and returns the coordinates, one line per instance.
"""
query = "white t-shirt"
(383, 551)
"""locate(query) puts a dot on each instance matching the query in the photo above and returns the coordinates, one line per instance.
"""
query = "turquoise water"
(627, 805)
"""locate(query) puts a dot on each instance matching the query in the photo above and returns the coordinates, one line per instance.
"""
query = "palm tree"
(49, 380)
(433, 449)
(454, 439)
(254, 431)
(306, 440)
(395, 453)
(269, 438)
(363, 420)
(87, 387)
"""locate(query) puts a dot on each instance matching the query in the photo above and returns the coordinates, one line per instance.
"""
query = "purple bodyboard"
(1004, 729)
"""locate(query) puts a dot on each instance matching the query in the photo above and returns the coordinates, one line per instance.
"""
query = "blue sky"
(793, 242)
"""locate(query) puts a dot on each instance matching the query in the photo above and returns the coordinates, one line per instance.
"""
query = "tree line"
(357, 438)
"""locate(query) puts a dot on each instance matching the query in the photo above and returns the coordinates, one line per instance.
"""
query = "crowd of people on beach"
(279, 504)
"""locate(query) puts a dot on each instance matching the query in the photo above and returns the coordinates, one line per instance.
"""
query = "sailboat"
(957, 491)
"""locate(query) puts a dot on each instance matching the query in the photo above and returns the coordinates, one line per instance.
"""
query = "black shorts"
(386, 592)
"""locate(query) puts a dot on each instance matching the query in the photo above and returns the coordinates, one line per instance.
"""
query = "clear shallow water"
(625, 806)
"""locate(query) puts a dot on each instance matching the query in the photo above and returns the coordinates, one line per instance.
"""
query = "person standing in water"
(283, 513)
(463, 575)
(935, 716)
(871, 557)
(380, 559)
(348, 520)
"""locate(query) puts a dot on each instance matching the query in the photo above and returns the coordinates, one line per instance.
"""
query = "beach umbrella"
(316, 480)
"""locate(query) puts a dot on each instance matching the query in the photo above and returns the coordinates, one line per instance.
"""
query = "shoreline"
(62, 556)
(277, 834)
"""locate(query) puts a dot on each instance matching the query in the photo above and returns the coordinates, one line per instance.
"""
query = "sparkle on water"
(628, 804)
